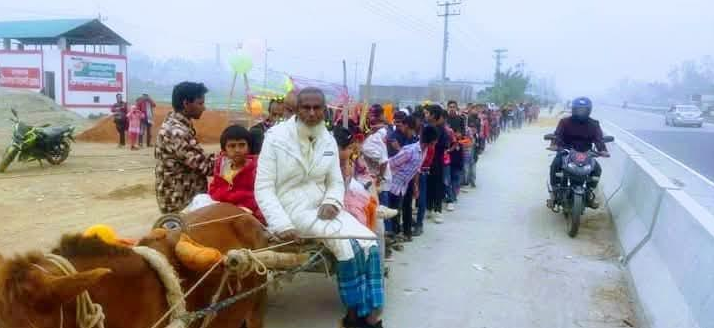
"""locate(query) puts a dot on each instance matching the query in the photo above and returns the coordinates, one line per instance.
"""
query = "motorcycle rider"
(579, 132)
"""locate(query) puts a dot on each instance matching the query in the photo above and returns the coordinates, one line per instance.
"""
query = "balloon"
(241, 64)
(289, 86)
(389, 112)
(256, 108)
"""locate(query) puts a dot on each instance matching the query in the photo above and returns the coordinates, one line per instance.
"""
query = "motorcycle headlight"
(587, 167)
(572, 166)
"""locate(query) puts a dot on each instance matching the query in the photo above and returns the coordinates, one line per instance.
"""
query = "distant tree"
(510, 87)
(683, 80)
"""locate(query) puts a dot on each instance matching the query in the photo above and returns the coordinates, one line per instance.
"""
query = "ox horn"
(196, 256)
(66, 288)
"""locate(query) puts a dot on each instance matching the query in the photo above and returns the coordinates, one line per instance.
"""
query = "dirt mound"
(36, 109)
(132, 191)
(208, 128)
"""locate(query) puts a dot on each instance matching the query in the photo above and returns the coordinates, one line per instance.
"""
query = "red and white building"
(80, 63)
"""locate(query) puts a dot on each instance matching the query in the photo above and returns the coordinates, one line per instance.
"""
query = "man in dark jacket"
(455, 120)
(276, 114)
(579, 132)
(119, 110)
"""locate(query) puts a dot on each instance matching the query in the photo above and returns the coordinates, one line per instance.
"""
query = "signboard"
(20, 77)
(86, 74)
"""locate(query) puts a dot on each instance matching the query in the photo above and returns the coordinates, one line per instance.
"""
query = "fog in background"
(586, 46)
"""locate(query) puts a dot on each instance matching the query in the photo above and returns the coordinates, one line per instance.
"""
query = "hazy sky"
(587, 45)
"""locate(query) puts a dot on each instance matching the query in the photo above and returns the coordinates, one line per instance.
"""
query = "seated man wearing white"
(300, 190)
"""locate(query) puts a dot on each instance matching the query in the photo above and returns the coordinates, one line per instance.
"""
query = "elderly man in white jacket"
(300, 189)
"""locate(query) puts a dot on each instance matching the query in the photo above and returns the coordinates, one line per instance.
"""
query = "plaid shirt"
(182, 167)
(405, 166)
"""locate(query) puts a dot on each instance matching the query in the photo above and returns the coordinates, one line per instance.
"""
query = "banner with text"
(20, 77)
(90, 74)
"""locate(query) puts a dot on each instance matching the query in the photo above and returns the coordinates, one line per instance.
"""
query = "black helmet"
(581, 107)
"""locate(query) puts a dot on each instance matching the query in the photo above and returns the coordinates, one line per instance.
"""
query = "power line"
(398, 19)
(409, 23)
(415, 21)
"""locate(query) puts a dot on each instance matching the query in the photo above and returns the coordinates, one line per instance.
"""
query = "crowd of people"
(301, 173)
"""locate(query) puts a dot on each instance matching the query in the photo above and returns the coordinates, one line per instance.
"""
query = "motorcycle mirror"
(549, 136)
(608, 139)
(14, 113)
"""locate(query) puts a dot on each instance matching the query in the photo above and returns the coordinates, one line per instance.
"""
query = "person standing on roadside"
(120, 111)
(147, 106)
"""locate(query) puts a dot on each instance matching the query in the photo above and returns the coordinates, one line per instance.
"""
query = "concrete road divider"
(667, 242)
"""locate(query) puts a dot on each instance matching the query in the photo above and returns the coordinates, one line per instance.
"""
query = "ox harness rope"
(214, 308)
(89, 314)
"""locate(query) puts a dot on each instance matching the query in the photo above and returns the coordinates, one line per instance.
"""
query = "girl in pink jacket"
(135, 116)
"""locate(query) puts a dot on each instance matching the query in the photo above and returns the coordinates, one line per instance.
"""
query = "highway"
(693, 147)
(683, 154)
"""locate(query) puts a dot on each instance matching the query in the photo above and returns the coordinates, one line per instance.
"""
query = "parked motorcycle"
(571, 192)
(31, 143)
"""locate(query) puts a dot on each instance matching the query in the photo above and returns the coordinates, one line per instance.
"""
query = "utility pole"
(521, 67)
(345, 110)
(355, 83)
(218, 54)
(265, 69)
(447, 12)
(368, 87)
(500, 55)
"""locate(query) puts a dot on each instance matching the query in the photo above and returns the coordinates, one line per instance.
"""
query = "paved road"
(501, 260)
(692, 147)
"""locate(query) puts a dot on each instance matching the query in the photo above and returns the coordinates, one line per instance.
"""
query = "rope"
(89, 314)
(217, 307)
(168, 277)
(171, 310)
(235, 264)
(218, 220)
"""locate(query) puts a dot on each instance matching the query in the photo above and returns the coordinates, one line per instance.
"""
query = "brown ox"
(34, 293)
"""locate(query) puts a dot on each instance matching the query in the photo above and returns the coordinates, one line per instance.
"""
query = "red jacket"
(240, 191)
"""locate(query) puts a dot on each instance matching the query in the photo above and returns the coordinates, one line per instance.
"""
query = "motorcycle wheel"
(8, 157)
(60, 153)
(574, 218)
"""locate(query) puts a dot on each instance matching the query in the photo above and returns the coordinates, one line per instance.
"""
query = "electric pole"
(356, 86)
(218, 54)
(447, 12)
(265, 69)
(521, 67)
(500, 55)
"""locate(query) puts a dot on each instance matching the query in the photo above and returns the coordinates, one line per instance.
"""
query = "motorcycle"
(571, 192)
(31, 143)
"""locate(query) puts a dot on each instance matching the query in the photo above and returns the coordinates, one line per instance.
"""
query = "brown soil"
(99, 183)
(208, 127)
(131, 191)
(33, 109)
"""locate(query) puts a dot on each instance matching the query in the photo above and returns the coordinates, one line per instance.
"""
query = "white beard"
(306, 133)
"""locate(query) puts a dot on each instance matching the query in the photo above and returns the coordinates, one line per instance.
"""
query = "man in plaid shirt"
(405, 165)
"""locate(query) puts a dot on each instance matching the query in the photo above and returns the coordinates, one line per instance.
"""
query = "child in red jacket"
(235, 170)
